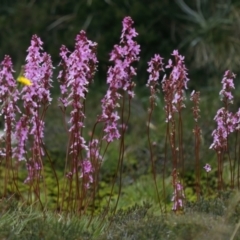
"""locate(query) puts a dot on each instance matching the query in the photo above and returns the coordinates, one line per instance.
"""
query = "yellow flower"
(24, 81)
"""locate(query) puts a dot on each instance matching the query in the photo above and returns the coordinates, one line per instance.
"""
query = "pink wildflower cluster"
(78, 71)
(8, 98)
(92, 161)
(35, 98)
(173, 86)
(227, 86)
(154, 68)
(86, 173)
(119, 78)
(225, 126)
(226, 121)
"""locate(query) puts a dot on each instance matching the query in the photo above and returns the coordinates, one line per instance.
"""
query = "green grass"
(208, 219)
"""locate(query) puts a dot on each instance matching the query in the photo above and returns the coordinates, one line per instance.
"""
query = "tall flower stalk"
(173, 89)
(155, 66)
(78, 69)
(195, 98)
(9, 96)
(225, 125)
(36, 99)
(119, 78)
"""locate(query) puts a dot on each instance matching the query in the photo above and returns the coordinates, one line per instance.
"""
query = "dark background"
(205, 32)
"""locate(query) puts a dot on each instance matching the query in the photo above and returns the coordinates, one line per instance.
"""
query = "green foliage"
(135, 223)
(139, 223)
(209, 34)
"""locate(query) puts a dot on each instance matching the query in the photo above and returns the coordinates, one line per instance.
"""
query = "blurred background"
(206, 32)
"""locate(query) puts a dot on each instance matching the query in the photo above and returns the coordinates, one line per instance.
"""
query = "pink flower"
(227, 86)
(119, 78)
(174, 86)
(36, 98)
(78, 69)
(86, 173)
(226, 121)
(8, 101)
(207, 168)
(154, 68)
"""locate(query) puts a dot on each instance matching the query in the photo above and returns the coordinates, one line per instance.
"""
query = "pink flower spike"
(119, 78)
